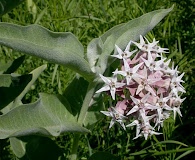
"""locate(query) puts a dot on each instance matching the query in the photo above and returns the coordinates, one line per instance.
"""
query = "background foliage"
(88, 19)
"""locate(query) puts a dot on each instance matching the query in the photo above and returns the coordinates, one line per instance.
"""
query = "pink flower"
(121, 106)
(145, 83)
(152, 90)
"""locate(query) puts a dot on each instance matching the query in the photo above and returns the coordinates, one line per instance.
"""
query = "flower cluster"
(145, 88)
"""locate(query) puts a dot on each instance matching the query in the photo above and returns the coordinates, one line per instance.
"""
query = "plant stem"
(81, 118)
(73, 155)
(85, 106)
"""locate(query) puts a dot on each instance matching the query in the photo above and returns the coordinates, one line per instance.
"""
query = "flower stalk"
(81, 118)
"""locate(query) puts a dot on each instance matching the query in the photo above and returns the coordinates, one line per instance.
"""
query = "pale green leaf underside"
(18, 147)
(60, 48)
(48, 117)
(5, 80)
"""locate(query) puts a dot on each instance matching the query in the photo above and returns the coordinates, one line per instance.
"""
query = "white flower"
(138, 126)
(147, 131)
(141, 104)
(111, 85)
(157, 48)
(129, 73)
(151, 64)
(124, 55)
(116, 117)
(166, 69)
(162, 102)
(143, 46)
(175, 85)
(150, 47)
(161, 116)
(176, 103)
(143, 128)
(145, 83)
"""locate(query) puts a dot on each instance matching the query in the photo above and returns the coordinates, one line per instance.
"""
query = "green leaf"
(184, 154)
(75, 93)
(60, 48)
(7, 5)
(5, 80)
(93, 50)
(103, 155)
(18, 147)
(35, 74)
(14, 65)
(146, 150)
(49, 116)
(11, 87)
(93, 114)
(11, 66)
(35, 148)
(123, 33)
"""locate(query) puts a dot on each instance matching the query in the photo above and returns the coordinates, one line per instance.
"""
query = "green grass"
(88, 19)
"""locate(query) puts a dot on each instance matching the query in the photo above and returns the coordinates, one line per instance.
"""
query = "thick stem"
(73, 155)
(87, 100)
(81, 118)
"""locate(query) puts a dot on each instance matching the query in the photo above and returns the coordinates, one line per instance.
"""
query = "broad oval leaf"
(50, 115)
(123, 33)
(60, 48)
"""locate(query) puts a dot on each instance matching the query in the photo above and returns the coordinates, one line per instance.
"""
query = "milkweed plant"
(145, 88)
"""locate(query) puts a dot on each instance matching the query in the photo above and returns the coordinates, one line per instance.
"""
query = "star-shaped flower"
(147, 131)
(156, 48)
(141, 104)
(142, 45)
(129, 73)
(173, 71)
(124, 54)
(160, 117)
(162, 102)
(116, 117)
(176, 103)
(145, 83)
(152, 64)
(143, 128)
(162, 107)
(137, 124)
(176, 86)
(111, 85)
